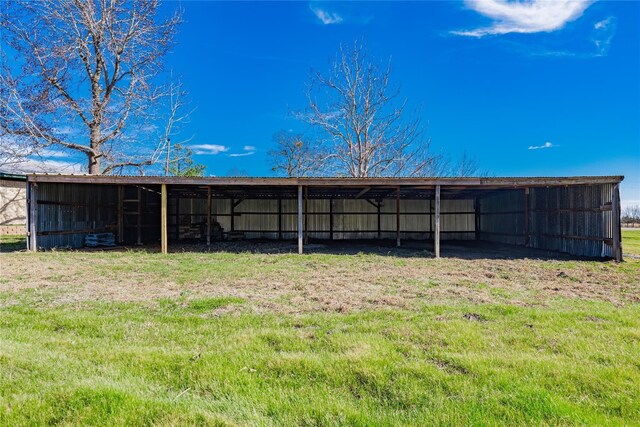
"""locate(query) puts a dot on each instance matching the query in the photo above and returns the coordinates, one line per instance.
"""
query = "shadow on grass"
(13, 243)
(409, 249)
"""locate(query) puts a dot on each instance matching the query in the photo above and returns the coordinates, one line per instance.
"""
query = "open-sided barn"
(575, 215)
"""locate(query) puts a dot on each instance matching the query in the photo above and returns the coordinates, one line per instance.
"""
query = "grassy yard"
(631, 241)
(138, 338)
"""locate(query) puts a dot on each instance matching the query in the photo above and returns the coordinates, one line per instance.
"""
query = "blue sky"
(490, 80)
(528, 89)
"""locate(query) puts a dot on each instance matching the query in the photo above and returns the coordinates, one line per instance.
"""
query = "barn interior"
(575, 215)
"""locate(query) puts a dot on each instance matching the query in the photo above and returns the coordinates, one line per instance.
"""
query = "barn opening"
(574, 215)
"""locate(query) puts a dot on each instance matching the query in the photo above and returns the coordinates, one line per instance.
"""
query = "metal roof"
(452, 182)
(12, 176)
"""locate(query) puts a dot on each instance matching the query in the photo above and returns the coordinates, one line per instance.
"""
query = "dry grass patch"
(316, 282)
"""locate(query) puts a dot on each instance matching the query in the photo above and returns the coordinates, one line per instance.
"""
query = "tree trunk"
(94, 164)
(94, 156)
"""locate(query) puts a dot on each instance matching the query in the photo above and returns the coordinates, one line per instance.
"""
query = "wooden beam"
(76, 231)
(300, 244)
(615, 223)
(163, 220)
(33, 217)
(398, 216)
(363, 192)
(436, 238)
(372, 203)
(209, 216)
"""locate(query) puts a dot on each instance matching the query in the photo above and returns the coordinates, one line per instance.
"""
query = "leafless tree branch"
(368, 130)
(90, 66)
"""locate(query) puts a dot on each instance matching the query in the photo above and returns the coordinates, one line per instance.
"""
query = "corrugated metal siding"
(560, 218)
(68, 207)
(502, 217)
(563, 218)
(572, 219)
(352, 219)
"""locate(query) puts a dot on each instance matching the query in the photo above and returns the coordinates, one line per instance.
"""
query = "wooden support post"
(436, 239)
(398, 216)
(279, 219)
(526, 216)
(33, 217)
(163, 220)
(139, 222)
(209, 215)
(615, 223)
(300, 244)
(330, 219)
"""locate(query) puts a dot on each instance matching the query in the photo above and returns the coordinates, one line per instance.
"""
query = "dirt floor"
(339, 278)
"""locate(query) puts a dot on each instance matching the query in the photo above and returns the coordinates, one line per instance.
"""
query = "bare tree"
(464, 166)
(90, 66)
(177, 152)
(236, 172)
(631, 215)
(295, 155)
(368, 132)
(13, 153)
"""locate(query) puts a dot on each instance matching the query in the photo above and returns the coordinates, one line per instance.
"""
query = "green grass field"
(631, 241)
(137, 338)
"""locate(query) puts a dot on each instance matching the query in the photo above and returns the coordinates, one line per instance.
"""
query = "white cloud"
(34, 165)
(250, 153)
(52, 153)
(326, 17)
(540, 147)
(532, 16)
(603, 34)
(602, 24)
(211, 149)
(249, 148)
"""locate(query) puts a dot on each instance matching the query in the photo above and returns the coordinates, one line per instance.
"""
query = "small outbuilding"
(574, 215)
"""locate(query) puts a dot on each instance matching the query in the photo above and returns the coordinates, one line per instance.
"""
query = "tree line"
(631, 216)
(89, 78)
